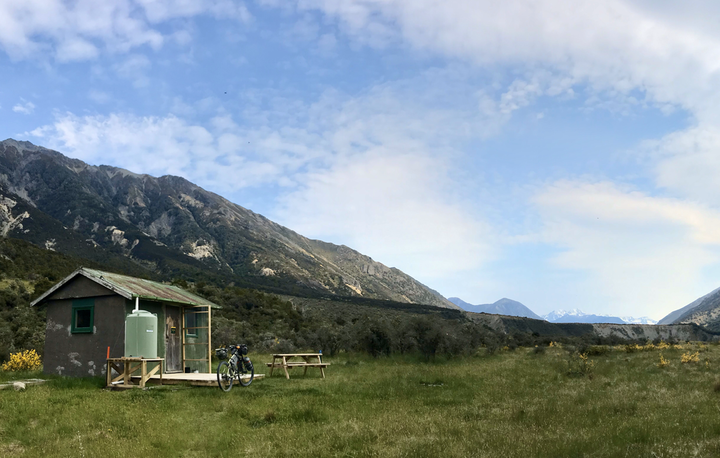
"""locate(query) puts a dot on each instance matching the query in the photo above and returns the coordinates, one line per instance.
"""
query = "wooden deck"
(188, 379)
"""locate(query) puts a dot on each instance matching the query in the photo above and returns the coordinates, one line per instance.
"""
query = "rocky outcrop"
(653, 331)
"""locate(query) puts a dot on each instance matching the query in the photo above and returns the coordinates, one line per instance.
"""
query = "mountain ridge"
(148, 219)
(503, 306)
(703, 311)
(510, 307)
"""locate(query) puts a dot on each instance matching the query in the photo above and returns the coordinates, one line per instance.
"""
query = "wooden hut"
(86, 314)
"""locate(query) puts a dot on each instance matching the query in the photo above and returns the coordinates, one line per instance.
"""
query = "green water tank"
(141, 334)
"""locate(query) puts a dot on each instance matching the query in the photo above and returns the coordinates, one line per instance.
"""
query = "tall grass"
(519, 403)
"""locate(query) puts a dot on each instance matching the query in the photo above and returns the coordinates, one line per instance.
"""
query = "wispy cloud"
(641, 252)
(616, 46)
(24, 107)
(77, 31)
(384, 157)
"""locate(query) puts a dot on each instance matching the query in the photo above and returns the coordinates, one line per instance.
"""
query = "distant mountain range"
(514, 308)
(173, 226)
(578, 316)
(502, 307)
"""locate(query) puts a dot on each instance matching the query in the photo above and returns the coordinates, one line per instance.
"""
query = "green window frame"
(83, 316)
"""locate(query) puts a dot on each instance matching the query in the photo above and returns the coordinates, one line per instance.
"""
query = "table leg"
(108, 374)
(322, 369)
(272, 367)
(285, 366)
(143, 374)
(126, 373)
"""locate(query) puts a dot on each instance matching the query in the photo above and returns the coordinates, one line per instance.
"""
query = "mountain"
(169, 224)
(641, 320)
(502, 307)
(704, 311)
(578, 316)
(674, 316)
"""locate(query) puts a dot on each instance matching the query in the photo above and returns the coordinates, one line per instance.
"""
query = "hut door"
(173, 345)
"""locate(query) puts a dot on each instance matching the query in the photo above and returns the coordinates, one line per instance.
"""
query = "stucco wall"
(83, 355)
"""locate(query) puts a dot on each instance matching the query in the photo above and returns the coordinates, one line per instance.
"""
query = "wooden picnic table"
(309, 360)
(128, 369)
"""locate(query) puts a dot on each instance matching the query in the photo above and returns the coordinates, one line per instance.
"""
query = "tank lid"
(141, 313)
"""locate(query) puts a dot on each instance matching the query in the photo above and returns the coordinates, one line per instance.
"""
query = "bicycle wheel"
(246, 379)
(224, 376)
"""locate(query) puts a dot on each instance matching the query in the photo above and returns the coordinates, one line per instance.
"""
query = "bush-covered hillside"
(268, 322)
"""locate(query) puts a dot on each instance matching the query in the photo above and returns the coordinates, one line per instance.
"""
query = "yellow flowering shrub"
(580, 365)
(27, 360)
(663, 362)
(690, 358)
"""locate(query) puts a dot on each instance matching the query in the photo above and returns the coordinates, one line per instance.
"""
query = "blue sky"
(559, 153)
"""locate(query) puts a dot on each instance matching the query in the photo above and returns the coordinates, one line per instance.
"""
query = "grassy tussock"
(520, 403)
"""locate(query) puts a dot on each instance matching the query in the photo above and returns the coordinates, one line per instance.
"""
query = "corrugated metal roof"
(132, 287)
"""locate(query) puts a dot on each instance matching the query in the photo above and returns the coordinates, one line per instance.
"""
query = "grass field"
(511, 404)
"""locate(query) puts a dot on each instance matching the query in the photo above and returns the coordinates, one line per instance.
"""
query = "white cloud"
(382, 157)
(81, 30)
(24, 107)
(687, 162)
(162, 10)
(616, 46)
(150, 145)
(637, 250)
(395, 207)
(71, 31)
(642, 253)
(134, 68)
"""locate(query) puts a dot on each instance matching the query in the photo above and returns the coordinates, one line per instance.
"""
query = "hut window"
(190, 323)
(83, 316)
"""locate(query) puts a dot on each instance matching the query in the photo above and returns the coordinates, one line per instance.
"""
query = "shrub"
(690, 358)
(579, 365)
(597, 350)
(663, 362)
(27, 360)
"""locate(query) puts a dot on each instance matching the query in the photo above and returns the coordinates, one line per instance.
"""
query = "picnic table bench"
(309, 360)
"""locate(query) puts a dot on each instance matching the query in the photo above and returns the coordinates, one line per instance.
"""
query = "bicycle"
(238, 366)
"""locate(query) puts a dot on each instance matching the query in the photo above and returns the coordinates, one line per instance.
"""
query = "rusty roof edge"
(107, 283)
(96, 276)
(212, 305)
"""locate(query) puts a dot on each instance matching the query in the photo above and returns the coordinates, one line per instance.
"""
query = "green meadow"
(531, 402)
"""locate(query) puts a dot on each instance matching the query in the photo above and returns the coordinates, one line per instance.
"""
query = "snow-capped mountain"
(641, 320)
(578, 316)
